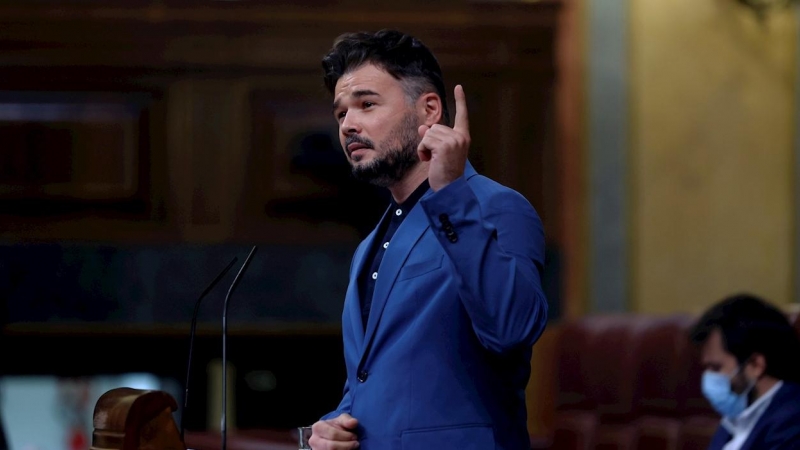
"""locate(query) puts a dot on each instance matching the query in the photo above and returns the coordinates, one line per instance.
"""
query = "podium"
(136, 419)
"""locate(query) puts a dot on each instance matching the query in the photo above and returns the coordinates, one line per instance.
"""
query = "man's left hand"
(446, 148)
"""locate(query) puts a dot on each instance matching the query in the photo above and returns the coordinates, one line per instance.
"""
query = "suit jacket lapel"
(410, 231)
(776, 404)
(354, 299)
(720, 438)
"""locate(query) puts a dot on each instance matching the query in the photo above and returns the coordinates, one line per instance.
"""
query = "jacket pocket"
(420, 268)
(459, 437)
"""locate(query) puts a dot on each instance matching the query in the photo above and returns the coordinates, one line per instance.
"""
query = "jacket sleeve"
(344, 405)
(497, 251)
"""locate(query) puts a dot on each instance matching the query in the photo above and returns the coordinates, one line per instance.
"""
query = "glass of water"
(305, 435)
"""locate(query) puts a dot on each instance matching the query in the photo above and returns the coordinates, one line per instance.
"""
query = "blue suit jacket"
(444, 358)
(777, 429)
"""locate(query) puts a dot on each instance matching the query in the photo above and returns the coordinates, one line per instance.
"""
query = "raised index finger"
(461, 122)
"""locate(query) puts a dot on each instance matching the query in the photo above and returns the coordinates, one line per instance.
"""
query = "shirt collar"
(413, 198)
(750, 416)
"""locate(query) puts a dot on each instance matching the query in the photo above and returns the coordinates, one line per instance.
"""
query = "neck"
(763, 386)
(405, 187)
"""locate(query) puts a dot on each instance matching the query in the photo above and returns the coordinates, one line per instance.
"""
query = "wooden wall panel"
(236, 94)
(84, 149)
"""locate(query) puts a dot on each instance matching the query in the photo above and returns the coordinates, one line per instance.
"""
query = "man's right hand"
(334, 434)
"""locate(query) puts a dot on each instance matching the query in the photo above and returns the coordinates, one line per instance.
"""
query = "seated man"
(751, 356)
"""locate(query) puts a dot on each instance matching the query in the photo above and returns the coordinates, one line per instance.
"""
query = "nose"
(350, 124)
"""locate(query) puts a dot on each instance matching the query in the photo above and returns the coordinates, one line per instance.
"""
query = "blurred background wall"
(712, 154)
(691, 152)
(145, 143)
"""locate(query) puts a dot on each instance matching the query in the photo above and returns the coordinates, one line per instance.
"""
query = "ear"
(756, 366)
(429, 106)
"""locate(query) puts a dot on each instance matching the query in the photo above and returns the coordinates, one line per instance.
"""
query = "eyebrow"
(356, 94)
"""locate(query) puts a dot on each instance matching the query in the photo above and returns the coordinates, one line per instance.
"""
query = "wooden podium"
(135, 419)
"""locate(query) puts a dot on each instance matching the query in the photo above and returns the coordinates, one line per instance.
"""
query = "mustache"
(356, 139)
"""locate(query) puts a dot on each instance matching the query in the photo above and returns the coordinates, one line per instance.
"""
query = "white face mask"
(717, 389)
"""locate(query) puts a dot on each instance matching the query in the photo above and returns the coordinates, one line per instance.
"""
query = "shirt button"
(362, 376)
(398, 212)
(385, 245)
(374, 275)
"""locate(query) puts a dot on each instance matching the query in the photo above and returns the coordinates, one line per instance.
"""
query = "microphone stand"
(223, 424)
(191, 338)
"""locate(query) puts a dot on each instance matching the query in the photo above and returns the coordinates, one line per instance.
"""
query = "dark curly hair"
(402, 56)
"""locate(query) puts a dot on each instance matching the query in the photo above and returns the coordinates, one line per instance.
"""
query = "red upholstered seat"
(629, 382)
(658, 377)
(574, 430)
(696, 432)
(660, 366)
(573, 371)
(597, 395)
(658, 433)
(616, 357)
(575, 421)
(612, 362)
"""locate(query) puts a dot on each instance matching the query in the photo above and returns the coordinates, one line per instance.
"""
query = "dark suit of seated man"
(751, 356)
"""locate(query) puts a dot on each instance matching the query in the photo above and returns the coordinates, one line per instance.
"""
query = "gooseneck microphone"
(191, 338)
(223, 424)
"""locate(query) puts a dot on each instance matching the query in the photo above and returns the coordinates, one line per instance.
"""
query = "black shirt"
(388, 226)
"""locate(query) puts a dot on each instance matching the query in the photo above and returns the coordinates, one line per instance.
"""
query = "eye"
(340, 115)
(368, 104)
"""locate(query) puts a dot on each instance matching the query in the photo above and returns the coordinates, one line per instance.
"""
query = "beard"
(397, 154)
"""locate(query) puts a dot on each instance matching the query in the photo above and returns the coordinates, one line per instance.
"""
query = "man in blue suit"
(752, 358)
(445, 298)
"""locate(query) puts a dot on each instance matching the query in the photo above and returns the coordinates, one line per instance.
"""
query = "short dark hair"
(750, 325)
(401, 55)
